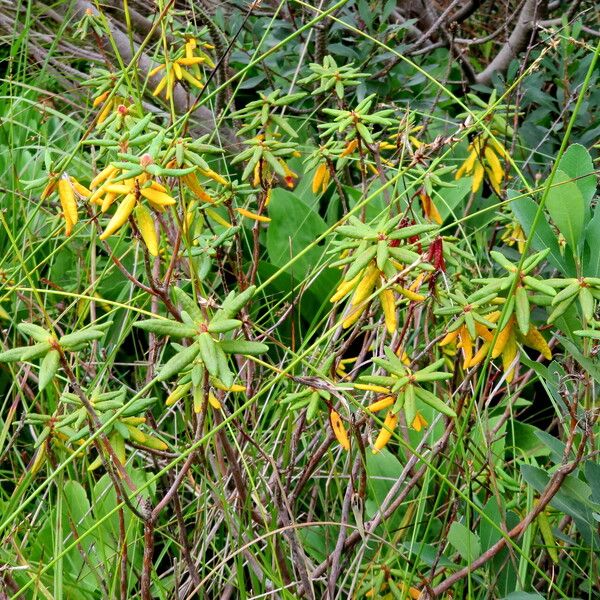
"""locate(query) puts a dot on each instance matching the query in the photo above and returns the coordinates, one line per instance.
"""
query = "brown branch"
(522, 33)
(551, 490)
(204, 119)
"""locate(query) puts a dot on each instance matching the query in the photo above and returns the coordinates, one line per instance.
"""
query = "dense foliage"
(299, 300)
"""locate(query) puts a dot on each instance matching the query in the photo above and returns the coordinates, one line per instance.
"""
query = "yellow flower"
(184, 68)
(507, 345)
(253, 216)
(290, 176)
(68, 188)
(514, 234)
(466, 342)
(429, 208)
(340, 369)
(483, 158)
(404, 137)
(107, 107)
(321, 178)
(350, 148)
(363, 285)
(132, 191)
(191, 181)
(419, 422)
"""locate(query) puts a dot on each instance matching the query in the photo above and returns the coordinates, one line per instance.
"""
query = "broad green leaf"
(447, 199)
(464, 541)
(567, 208)
(293, 227)
(383, 469)
(591, 260)
(523, 441)
(525, 210)
(577, 163)
(573, 498)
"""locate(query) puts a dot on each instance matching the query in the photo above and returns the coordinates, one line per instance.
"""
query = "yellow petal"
(156, 70)
(466, 345)
(477, 177)
(495, 166)
(189, 61)
(381, 404)
(67, 200)
(386, 432)
(103, 176)
(508, 357)
(467, 166)
(365, 287)
(50, 187)
(177, 70)
(353, 315)
(191, 79)
(212, 400)
(100, 99)
(120, 217)
(161, 86)
(371, 387)
(410, 294)
(502, 339)
(449, 337)
(344, 288)
(193, 184)
(479, 355)
(386, 297)
(419, 422)
(157, 197)
(350, 148)
(339, 430)
(118, 188)
(534, 339)
(80, 189)
(213, 175)
(147, 229)
(104, 113)
(318, 177)
(107, 202)
(253, 216)
(158, 186)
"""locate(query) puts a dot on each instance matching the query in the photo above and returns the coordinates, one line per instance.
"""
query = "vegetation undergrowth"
(299, 301)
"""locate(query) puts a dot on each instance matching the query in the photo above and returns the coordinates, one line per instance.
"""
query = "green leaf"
(294, 226)
(567, 208)
(39, 334)
(464, 541)
(178, 362)
(80, 337)
(591, 260)
(523, 596)
(13, 354)
(577, 163)
(243, 347)
(573, 499)
(524, 210)
(48, 368)
(447, 199)
(167, 327)
(188, 304)
(223, 325)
